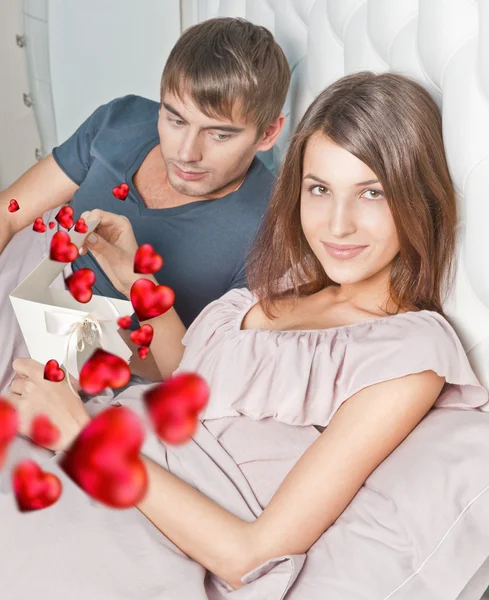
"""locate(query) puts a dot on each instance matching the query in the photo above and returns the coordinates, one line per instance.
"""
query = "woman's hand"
(114, 248)
(32, 395)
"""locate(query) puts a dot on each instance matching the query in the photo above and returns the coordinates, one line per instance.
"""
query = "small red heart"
(34, 489)
(80, 284)
(150, 300)
(53, 372)
(13, 205)
(146, 260)
(143, 336)
(143, 352)
(173, 406)
(51, 224)
(8, 427)
(104, 370)
(39, 225)
(65, 217)
(104, 459)
(124, 322)
(62, 249)
(81, 226)
(43, 431)
(121, 191)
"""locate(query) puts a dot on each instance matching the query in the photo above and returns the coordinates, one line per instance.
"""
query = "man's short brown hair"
(227, 65)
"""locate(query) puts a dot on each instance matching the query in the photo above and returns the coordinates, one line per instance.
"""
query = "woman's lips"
(188, 176)
(342, 254)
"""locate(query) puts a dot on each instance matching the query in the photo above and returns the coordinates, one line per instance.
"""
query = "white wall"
(18, 132)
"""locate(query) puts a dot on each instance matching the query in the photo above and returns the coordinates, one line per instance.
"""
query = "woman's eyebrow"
(369, 182)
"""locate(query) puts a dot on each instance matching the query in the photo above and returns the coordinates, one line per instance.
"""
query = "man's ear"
(271, 134)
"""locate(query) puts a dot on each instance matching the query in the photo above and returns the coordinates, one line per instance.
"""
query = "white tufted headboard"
(444, 45)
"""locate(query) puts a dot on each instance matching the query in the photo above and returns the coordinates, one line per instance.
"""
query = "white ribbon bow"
(82, 330)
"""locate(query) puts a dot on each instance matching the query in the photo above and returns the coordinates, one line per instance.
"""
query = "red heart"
(143, 336)
(121, 191)
(62, 249)
(146, 260)
(104, 459)
(143, 352)
(13, 205)
(33, 488)
(104, 370)
(81, 226)
(51, 224)
(124, 322)
(80, 284)
(8, 427)
(65, 217)
(150, 300)
(43, 431)
(173, 406)
(53, 372)
(39, 225)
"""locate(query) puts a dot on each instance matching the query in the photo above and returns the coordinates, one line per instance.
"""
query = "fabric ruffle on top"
(301, 377)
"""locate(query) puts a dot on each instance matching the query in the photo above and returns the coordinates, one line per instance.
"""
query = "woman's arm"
(363, 432)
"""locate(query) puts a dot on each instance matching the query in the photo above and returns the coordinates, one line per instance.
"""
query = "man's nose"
(189, 151)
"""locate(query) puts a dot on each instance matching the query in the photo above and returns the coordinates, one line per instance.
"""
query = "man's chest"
(152, 184)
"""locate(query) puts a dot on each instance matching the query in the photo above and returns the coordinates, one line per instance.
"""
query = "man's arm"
(43, 187)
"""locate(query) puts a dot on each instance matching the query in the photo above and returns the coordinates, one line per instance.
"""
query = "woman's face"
(342, 203)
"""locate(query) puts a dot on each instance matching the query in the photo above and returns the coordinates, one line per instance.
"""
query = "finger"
(28, 367)
(17, 386)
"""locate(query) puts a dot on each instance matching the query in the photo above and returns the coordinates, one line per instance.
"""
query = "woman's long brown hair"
(392, 124)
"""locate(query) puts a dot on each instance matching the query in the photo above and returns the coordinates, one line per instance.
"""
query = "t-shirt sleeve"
(407, 344)
(238, 280)
(74, 155)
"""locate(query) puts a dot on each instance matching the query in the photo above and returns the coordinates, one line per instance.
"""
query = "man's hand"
(114, 248)
(32, 395)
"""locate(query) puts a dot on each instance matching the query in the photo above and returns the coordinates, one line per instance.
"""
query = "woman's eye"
(313, 187)
(379, 194)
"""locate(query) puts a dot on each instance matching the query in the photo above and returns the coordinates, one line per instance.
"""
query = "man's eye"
(175, 121)
(221, 137)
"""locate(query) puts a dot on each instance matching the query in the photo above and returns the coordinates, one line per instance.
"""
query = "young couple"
(327, 349)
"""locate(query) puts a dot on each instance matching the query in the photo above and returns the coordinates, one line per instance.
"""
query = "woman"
(352, 343)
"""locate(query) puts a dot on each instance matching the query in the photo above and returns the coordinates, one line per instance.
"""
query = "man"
(197, 192)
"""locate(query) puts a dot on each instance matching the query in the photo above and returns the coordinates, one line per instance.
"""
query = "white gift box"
(55, 325)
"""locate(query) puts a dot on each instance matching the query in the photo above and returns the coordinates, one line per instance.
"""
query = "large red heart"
(173, 406)
(39, 225)
(104, 459)
(13, 206)
(103, 370)
(121, 191)
(43, 431)
(62, 249)
(53, 372)
(81, 226)
(146, 260)
(8, 427)
(65, 217)
(143, 336)
(34, 489)
(80, 284)
(124, 322)
(150, 300)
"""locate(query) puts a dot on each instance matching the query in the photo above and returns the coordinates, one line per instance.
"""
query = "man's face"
(215, 154)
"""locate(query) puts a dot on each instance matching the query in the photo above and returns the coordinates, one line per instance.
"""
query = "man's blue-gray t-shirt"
(203, 243)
